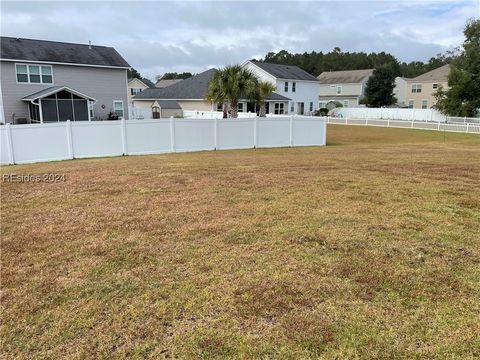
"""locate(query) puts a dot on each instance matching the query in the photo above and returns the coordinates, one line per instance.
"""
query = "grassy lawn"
(368, 248)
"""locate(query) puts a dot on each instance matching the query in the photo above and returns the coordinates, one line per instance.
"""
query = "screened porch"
(59, 103)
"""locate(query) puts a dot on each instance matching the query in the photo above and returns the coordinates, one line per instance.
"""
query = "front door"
(300, 108)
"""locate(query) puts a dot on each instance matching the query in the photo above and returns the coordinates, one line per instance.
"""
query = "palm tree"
(230, 84)
(264, 89)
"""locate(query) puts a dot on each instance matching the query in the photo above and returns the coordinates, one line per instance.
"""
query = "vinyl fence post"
(215, 130)
(255, 130)
(438, 127)
(10, 144)
(324, 132)
(123, 124)
(69, 139)
(467, 127)
(291, 130)
(388, 122)
(412, 123)
(172, 133)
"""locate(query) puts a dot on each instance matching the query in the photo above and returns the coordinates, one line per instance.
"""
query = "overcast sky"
(158, 37)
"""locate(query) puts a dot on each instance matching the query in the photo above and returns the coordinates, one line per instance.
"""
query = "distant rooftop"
(344, 76)
(164, 83)
(438, 74)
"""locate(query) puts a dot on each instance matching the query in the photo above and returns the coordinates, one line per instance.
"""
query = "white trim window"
(33, 74)
(286, 86)
(339, 89)
(279, 109)
(322, 105)
(220, 107)
(240, 107)
(411, 104)
(435, 86)
(294, 86)
(424, 104)
(346, 103)
(311, 106)
(118, 107)
(416, 88)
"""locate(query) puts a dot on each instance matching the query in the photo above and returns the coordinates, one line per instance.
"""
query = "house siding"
(426, 94)
(103, 84)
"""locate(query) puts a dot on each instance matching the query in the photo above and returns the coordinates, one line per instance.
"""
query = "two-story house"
(47, 81)
(419, 92)
(292, 82)
(345, 87)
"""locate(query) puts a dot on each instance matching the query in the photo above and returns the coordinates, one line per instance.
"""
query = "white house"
(292, 82)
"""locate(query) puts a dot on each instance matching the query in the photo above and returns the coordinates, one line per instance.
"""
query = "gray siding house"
(47, 81)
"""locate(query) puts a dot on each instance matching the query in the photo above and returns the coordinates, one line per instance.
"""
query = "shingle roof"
(191, 88)
(194, 88)
(52, 51)
(52, 90)
(168, 104)
(287, 72)
(438, 74)
(165, 83)
(146, 82)
(344, 76)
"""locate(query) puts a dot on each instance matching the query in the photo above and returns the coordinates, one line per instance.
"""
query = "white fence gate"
(67, 140)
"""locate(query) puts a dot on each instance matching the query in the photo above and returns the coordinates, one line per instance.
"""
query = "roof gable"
(438, 74)
(287, 72)
(344, 76)
(60, 52)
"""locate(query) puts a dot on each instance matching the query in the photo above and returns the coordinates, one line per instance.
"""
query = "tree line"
(317, 62)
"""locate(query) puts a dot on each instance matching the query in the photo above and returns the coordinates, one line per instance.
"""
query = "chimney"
(89, 44)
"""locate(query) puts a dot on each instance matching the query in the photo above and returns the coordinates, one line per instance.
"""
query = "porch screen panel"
(65, 110)
(81, 110)
(49, 110)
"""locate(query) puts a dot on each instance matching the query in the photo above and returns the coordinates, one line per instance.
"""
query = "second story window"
(34, 74)
(339, 89)
(135, 91)
(286, 86)
(294, 85)
(416, 88)
(435, 86)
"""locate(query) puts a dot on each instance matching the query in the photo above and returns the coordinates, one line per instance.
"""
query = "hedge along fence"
(68, 140)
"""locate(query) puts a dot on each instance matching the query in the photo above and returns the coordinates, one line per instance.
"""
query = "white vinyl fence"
(67, 140)
(390, 113)
(413, 124)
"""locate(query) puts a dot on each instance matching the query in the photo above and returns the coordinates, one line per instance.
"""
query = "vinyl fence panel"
(148, 136)
(273, 132)
(31, 143)
(104, 138)
(194, 134)
(238, 134)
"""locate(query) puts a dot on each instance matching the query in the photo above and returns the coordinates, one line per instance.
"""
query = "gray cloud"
(156, 37)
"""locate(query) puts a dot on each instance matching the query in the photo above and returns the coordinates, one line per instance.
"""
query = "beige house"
(419, 91)
(344, 87)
